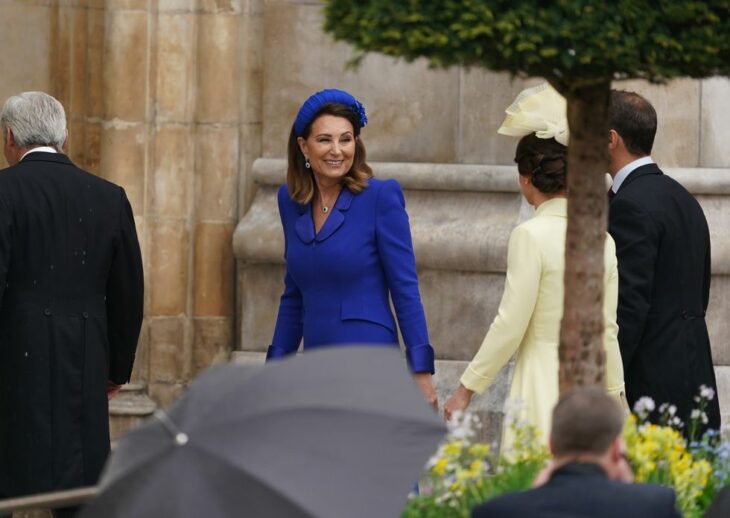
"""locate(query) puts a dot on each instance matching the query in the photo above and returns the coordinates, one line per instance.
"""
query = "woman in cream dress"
(528, 321)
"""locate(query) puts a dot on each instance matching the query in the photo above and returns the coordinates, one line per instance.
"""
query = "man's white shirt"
(39, 149)
(626, 170)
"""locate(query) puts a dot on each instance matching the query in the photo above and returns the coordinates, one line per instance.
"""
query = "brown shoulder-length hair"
(300, 180)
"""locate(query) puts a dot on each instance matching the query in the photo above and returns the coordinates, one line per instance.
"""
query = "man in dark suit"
(663, 250)
(71, 292)
(589, 476)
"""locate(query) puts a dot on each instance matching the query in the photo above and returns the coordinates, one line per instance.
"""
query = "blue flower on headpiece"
(311, 107)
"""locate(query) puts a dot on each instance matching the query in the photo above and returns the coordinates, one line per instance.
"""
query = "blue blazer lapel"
(305, 225)
(336, 218)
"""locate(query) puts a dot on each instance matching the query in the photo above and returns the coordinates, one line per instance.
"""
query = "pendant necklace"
(325, 207)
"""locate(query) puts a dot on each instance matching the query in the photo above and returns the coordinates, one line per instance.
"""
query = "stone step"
(129, 408)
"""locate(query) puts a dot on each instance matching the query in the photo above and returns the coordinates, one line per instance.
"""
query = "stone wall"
(163, 97)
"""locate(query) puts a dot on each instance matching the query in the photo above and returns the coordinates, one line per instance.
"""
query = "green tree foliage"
(569, 42)
(579, 46)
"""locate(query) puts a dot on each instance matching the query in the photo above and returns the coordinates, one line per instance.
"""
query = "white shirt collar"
(39, 149)
(626, 170)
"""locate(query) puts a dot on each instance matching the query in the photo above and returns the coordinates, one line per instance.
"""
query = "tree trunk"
(581, 351)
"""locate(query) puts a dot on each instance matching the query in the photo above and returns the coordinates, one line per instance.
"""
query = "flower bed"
(464, 473)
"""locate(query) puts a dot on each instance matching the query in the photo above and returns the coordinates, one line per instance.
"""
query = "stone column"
(76, 55)
(124, 113)
(217, 139)
(169, 191)
(119, 46)
(252, 56)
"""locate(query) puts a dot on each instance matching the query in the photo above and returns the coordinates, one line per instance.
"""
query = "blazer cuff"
(121, 375)
(420, 358)
(274, 352)
(474, 381)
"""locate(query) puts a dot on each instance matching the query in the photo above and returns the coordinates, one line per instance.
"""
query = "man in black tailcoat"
(663, 249)
(589, 476)
(71, 292)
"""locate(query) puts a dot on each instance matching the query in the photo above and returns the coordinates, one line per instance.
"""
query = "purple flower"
(359, 109)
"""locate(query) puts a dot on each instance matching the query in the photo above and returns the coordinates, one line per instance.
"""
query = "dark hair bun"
(544, 161)
(549, 175)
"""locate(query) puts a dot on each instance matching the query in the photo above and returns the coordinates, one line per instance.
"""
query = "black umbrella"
(339, 432)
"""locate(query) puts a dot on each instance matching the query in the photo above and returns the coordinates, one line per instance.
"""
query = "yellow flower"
(479, 450)
(453, 449)
(659, 454)
(440, 467)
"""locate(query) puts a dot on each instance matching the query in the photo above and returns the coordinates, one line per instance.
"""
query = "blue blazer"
(338, 280)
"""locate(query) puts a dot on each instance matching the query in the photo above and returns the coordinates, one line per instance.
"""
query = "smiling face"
(330, 147)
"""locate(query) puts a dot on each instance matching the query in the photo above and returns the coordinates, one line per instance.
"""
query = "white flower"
(672, 410)
(707, 393)
(695, 414)
(456, 417)
(644, 405)
(705, 420)
(461, 426)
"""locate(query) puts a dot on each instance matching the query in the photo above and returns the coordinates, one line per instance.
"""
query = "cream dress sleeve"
(614, 364)
(522, 284)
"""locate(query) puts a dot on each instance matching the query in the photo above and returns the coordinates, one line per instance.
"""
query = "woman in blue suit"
(347, 244)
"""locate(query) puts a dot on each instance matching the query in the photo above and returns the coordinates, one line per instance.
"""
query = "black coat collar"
(579, 468)
(644, 170)
(43, 156)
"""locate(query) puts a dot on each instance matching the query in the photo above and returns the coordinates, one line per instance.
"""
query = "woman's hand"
(458, 402)
(424, 382)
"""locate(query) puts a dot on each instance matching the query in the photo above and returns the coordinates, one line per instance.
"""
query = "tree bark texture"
(581, 351)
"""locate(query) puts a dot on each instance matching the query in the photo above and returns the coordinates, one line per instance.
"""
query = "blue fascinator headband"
(311, 107)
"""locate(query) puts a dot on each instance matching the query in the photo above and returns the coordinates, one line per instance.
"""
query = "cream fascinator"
(540, 110)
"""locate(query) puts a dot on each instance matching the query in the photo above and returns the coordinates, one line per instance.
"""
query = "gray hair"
(35, 119)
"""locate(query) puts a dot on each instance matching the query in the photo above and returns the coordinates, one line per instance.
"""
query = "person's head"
(587, 425)
(542, 165)
(632, 128)
(29, 120)
(325, 145)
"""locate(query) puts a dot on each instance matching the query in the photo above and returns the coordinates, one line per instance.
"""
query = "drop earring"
(306, 163)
